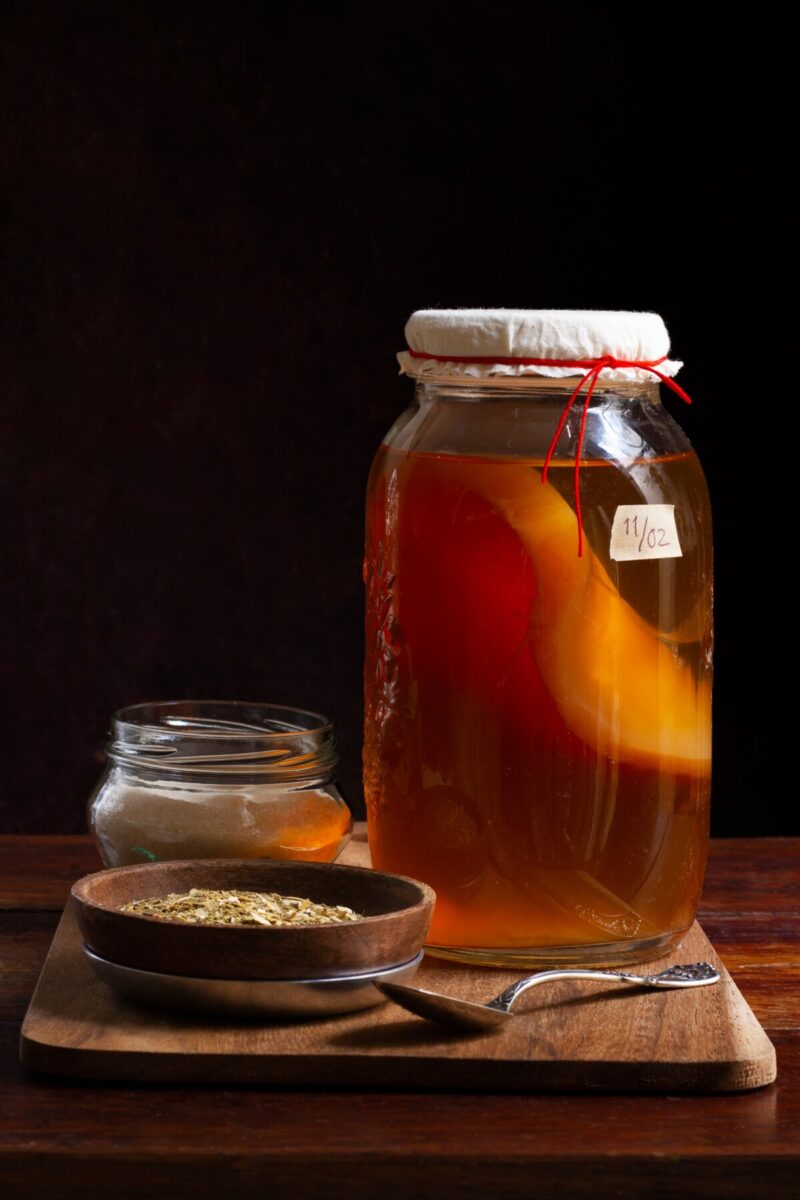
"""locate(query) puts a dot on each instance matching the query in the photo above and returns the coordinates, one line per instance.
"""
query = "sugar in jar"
(219, 779)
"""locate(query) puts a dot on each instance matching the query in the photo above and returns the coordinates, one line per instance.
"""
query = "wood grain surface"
(60, 1138)
(572, 1035)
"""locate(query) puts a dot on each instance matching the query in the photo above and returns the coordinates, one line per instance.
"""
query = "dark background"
(217, 219)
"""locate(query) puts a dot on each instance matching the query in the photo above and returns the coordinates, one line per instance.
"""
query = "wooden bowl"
(397, 913)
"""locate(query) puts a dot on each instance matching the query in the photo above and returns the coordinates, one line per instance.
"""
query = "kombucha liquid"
(537, 741)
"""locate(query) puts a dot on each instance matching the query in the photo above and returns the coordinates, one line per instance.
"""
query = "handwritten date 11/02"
(644, 531)
(651, 537)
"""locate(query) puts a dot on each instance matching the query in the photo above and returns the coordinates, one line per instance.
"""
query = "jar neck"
(536, 388)
(223, 742)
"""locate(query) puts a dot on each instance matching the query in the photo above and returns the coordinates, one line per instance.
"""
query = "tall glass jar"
(218, 779)
(538, 722)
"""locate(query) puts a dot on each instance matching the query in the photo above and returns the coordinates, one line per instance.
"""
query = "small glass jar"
(219, 779)
(538, 718)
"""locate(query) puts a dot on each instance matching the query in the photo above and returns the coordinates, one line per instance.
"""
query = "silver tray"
(247, 998)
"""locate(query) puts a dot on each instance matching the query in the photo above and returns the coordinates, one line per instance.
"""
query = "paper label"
(644, 531)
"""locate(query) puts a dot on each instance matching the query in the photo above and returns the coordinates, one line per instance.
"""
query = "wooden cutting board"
(574, 1035)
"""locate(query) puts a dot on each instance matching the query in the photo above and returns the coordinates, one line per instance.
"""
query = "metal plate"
(246, 998)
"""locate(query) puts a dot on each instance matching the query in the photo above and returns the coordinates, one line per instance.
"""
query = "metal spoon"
(464, 1014)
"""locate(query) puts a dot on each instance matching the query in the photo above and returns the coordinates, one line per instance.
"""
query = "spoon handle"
(691, 975)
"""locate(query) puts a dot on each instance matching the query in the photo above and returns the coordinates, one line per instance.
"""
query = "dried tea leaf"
(205, 906)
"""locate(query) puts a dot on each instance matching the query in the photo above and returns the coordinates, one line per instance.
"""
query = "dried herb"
(204, 906)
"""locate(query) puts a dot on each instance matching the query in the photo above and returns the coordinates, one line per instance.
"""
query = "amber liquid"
(537, 743)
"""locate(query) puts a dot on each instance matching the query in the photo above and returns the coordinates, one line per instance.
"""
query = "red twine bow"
(594, 367)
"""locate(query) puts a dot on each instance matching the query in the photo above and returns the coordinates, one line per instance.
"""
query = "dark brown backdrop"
(217, 220)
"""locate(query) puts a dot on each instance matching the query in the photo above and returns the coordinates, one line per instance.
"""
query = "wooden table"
(64, 1139)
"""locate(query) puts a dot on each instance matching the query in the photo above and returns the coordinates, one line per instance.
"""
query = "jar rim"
(557, 385)
(204, 722)
(211, 738)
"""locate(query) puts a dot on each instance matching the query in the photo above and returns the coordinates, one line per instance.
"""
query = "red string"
(594, 368)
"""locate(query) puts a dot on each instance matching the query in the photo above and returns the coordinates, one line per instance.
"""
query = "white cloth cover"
(534, 333)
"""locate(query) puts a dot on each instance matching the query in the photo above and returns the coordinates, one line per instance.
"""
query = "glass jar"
(538, 722)
(218, 779)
